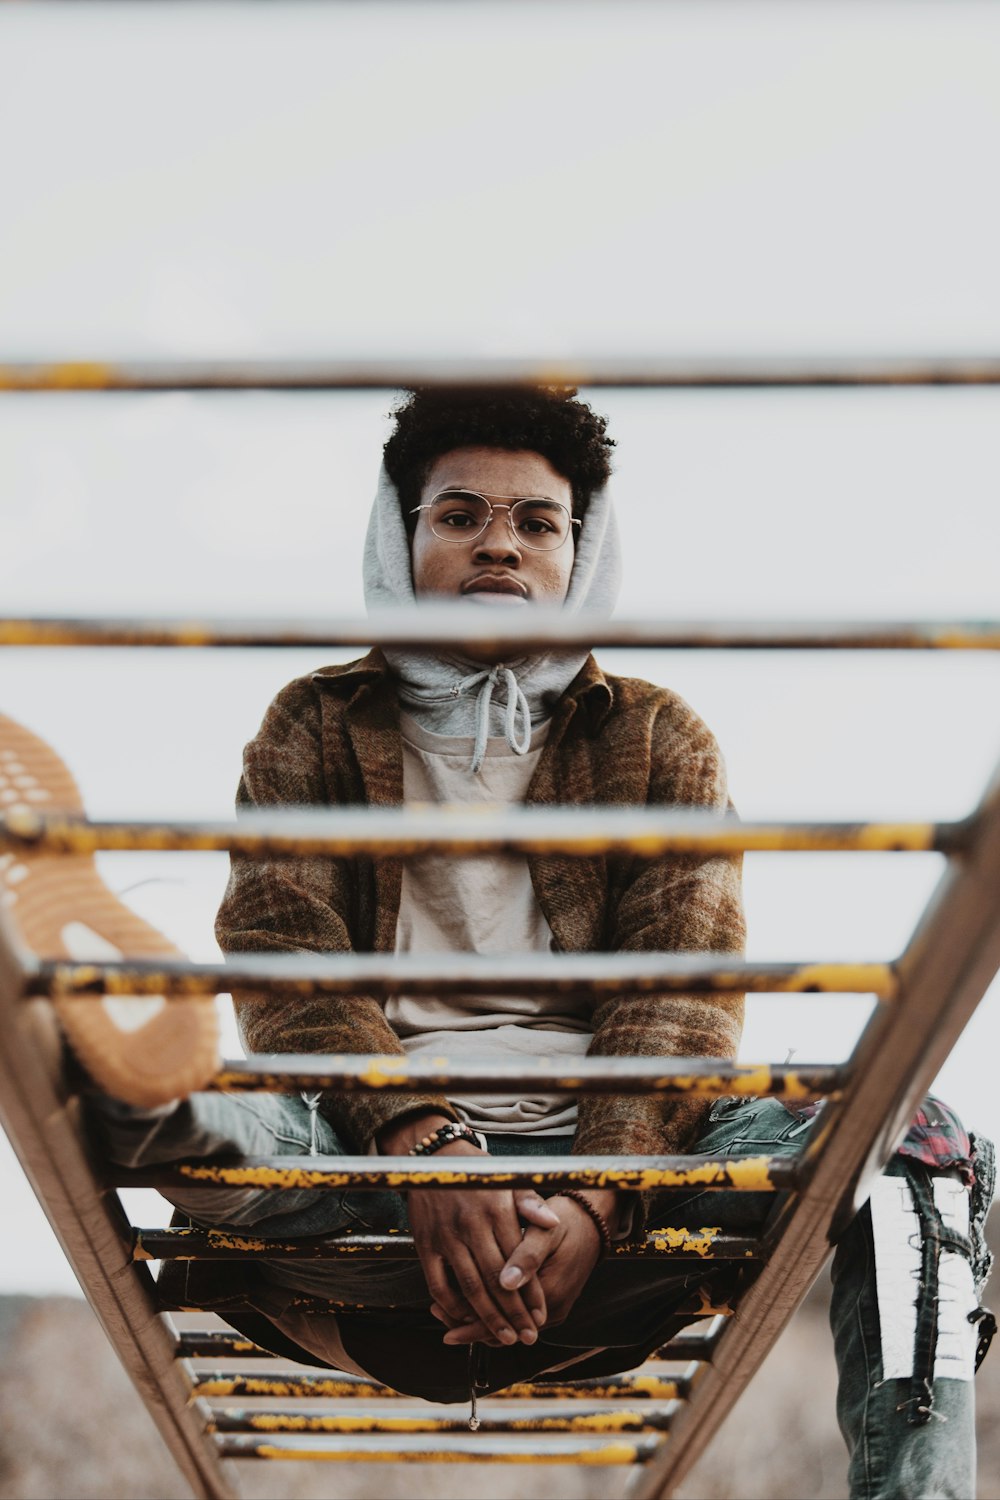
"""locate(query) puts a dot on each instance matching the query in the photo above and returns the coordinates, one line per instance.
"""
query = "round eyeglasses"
(535, 521)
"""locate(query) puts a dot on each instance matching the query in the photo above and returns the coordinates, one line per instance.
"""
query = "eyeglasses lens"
(460, 515)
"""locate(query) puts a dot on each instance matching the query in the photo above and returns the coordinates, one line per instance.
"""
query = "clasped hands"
(501, 1264)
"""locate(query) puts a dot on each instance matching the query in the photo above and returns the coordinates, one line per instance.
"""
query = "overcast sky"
(554, 179)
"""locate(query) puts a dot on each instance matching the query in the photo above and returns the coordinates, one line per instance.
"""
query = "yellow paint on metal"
(69, 375)
(692, 1242)
(346, 1423)
(654, 1387)
(250, 1244)
(329, 1389)
(876, 979)
(748, 1175)
(756, 1082)
(610, 1453)
(751, 1175)
(383, 1070)
(916, 837)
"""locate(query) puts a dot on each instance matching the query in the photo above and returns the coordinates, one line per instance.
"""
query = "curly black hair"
(545, 419)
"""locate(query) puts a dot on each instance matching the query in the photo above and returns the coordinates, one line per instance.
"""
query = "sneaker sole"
(145, 1050)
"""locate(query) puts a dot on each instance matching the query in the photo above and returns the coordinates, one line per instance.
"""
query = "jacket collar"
(589, 687)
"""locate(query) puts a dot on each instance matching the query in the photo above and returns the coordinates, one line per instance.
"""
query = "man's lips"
(495, 583)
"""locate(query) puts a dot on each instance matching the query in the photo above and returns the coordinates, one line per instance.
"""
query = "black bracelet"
(599, 1221)
(444, 1135)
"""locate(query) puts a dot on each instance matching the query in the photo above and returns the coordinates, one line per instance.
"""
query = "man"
(503, 498)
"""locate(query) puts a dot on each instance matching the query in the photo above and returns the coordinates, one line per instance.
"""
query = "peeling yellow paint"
(749, 1175)
(610, 1453)
(654, 1387)
(290, 1389)
(251, 1245)
(68, 375)
(696, 1243)
(383, 1070)
(876, 979)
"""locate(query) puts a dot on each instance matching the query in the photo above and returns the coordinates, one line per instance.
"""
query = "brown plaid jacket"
(333, 738)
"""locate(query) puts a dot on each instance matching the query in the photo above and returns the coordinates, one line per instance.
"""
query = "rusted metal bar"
(947, 967)
(344, 833)
(704, 1302)
(420, 1448)
(44, 1130)
(620, 1075)
(218, 1244)
(446, 973)
(751, 1174)
(353, 1422)
(636, 1386)
(704, 1077)
(764, 372)
(484, 629)
(216, 1343)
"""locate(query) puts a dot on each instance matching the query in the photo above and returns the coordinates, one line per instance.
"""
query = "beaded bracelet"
(600, 1222)
(444, 1135)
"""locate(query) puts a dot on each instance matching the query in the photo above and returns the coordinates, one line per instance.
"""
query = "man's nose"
(497, 542)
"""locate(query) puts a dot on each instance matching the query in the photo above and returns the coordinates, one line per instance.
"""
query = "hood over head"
(436, 687)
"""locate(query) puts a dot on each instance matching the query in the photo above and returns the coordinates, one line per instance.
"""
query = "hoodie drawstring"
(517, 703)
(311, 1102)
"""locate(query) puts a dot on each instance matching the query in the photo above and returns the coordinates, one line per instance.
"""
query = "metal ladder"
(659, 1419)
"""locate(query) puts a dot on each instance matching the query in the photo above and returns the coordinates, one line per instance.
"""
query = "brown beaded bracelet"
(444, 1135)
(600, 1222)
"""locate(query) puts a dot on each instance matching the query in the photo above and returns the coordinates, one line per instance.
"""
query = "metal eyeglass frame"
(515, 500)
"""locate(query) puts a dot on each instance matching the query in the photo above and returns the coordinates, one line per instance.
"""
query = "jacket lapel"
(571, 892)
(373, 729)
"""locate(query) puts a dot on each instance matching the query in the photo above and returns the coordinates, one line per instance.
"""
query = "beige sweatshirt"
(481, 904)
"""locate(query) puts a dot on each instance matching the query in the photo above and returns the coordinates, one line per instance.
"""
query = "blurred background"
(360, 178)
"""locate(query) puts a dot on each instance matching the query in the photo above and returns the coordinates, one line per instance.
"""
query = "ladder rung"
(335, 1386)
(569, 1419)
(347, 832)
(425, 1448)
(216, 1343)
(219, 1244)
(706, 1077)
(604, 372)
(750, 1174)
(443, 627)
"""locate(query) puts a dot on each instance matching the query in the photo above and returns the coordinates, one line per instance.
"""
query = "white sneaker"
(144, 1050)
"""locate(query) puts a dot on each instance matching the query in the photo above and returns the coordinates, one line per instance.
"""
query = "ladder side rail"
(44, 1130)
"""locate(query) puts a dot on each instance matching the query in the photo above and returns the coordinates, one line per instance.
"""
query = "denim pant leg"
(236, 1125)
(890, 1458)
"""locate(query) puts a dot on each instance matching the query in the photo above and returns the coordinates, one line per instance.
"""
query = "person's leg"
(237, 1126)
(903, 1316)
(897, 1451)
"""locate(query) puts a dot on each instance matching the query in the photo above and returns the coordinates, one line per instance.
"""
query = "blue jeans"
(627, 1309)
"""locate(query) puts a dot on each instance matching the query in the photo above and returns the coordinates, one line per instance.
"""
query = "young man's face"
(494, 567)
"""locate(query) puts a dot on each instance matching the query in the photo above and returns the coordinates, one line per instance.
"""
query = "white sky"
(483, 179)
